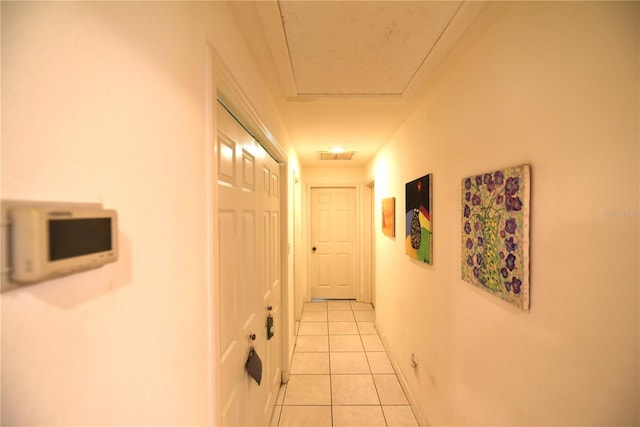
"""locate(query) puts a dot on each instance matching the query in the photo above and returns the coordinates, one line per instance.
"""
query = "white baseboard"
(420, 418)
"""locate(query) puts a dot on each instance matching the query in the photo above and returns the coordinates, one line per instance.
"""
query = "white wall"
(333, 176)
(106, 102)
(553, 85)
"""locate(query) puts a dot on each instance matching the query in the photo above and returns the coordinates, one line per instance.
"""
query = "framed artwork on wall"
(389, 217)
(495, 233)
(419, 229)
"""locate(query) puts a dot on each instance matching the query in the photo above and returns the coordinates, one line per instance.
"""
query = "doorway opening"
(247, 190)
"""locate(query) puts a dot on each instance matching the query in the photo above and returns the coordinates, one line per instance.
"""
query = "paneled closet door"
(249, 273)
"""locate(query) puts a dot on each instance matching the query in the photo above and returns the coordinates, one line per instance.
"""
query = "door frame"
(307, 238)
(221, 84)
(369, 241)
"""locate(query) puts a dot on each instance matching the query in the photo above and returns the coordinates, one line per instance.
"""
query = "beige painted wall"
(106, 102)
(553, 85)
(333, 176)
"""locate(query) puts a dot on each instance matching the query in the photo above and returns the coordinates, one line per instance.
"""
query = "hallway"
(114, 104)
(341, 375)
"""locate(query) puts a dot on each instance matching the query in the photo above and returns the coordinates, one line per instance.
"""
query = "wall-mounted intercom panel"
(44, 240)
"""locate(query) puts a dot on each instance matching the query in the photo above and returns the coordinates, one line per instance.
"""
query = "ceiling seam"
(420, 67)
(286, 40)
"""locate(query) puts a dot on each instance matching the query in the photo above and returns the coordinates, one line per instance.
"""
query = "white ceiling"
(361, 48)
(348, 73)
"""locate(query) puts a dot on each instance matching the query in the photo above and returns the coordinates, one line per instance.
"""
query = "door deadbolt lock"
(314, 249)
(270, 327)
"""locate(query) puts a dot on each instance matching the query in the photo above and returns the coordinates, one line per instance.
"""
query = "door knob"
(314, 249)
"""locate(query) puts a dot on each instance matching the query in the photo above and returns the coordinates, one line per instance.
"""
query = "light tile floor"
(341, 374)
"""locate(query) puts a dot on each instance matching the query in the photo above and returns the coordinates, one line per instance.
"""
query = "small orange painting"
(389, 217)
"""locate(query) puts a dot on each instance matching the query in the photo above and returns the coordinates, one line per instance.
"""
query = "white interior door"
(333, 262)
(272, 282)
(249, 273)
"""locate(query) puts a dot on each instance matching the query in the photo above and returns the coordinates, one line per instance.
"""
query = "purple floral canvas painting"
(495, 233)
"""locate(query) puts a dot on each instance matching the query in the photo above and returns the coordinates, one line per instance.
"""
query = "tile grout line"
(367, 359)
(372, 378)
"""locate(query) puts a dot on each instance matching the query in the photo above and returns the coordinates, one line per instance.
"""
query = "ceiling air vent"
(327, 155)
